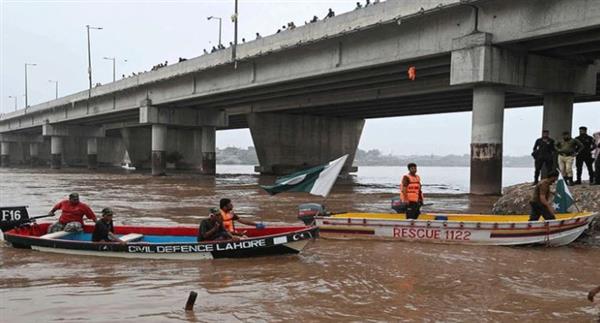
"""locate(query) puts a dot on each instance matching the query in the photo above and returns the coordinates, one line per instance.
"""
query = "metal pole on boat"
(189, 305)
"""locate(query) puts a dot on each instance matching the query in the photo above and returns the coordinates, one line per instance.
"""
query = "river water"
(329, 281)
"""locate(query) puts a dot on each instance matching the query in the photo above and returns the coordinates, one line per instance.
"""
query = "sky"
(52, 34)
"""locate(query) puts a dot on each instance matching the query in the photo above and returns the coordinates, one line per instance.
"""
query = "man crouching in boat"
(104, 230)
(411, 193)
(227, 217)
(71, 218)
(540, 200)
(212, 229)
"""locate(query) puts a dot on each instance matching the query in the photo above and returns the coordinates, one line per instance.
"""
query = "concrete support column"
(558, 113)
(486, 140)
(5, 154)
(159, 149)
(34, 154)
(56, 151)
(209, 158)
(286, 143)
(92, 153)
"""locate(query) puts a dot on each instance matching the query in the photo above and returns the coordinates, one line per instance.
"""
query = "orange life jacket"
(413, 189)
(227, 221)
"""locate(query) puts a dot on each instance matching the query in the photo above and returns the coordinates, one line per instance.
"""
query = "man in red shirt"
(71, 218)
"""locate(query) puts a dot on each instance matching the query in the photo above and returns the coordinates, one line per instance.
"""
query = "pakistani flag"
(316, 181)
(563, 198)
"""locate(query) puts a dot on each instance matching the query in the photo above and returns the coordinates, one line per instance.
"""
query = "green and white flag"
(316, 181)
(563, 198)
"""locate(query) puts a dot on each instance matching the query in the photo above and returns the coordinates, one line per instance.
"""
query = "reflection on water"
(330, 281)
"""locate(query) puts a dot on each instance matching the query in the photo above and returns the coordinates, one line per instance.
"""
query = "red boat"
(163, 242)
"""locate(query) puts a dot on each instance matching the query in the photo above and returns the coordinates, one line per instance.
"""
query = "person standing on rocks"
(543, 153)
(585, 155)
(597, 156)
(567, 149)
(540, 200)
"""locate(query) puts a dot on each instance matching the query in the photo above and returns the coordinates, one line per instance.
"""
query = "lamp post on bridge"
(13, 97)
(114, 60)
(26, 97)
(90, 57)
(56, 83)
(213, 17)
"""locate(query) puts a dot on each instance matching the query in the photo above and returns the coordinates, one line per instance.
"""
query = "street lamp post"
(13, 97)
(90, 57)
(235, 35)
(56, 82)
(213, 17)
(26, 97)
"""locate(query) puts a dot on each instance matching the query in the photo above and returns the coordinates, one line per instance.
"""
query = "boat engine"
(308, 211)
(398, 205)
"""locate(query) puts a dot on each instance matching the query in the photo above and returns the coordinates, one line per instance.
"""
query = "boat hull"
(275, 241)
(476, 231)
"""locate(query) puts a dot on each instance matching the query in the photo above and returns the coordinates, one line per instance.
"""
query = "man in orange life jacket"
(410, 192)
(227, 217)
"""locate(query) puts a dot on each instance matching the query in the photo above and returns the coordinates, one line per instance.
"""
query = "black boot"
(569, 180)
(577, 182)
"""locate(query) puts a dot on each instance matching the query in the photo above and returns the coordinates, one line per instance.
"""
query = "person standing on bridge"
(567, 149)
(585, 155)
(543, 154)
(411, 193)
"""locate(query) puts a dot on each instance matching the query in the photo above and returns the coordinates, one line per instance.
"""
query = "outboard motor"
(398, 205)
(308, 211)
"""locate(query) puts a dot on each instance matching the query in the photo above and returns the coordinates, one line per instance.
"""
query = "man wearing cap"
(567, 148)
(104, 230)
(585, 155)
(71, 218)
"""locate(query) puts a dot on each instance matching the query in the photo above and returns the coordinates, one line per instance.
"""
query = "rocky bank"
(515, 200)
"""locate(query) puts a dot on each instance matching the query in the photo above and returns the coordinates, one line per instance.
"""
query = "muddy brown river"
(329, 281)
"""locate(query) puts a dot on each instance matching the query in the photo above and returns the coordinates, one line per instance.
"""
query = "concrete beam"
(182, 117)
(57, 130)
(479, 62)
(9, 137)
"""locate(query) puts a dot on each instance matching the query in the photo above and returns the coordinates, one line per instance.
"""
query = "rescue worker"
(104, 230)
(567, 149)
(540, 199)
(543, 154)
(597, 162)
(411, 193)
(71, 218)
(212, 229)
(585, 155)
(228, 216)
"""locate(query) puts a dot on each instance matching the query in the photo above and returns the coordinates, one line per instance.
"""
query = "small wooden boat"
(478, 229)
(163, 242)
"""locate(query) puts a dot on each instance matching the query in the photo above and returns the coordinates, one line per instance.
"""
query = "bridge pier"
(208, 147)
(92, 153)
(159, 149)
(486, 140)
(285, 143)
(34, 154)
(558, 113)
(5, 154)
(56, 152)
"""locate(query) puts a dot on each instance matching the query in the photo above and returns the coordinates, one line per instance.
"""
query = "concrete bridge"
(305, 93)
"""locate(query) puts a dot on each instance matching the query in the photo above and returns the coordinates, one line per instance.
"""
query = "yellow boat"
(481, 229)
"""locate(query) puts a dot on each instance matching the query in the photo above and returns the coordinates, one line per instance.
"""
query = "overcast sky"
(52, 34)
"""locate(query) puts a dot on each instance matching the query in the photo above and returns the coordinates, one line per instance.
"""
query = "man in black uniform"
(585, 155)
(104, 230)
(543, 154)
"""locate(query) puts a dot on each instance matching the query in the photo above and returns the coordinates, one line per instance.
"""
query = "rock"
(515, 200)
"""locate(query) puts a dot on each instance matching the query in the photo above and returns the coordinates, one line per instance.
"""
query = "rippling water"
(329, 281)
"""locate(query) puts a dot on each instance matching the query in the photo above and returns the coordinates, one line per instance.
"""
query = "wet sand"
(329, 281)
